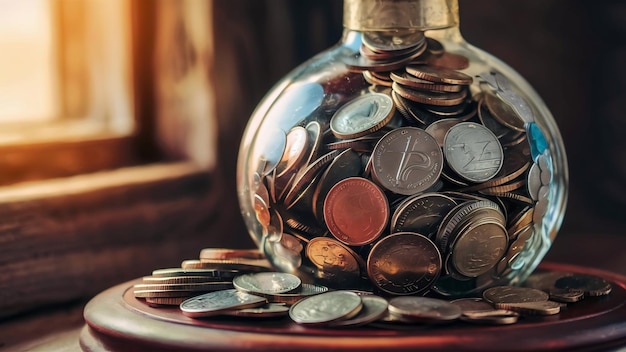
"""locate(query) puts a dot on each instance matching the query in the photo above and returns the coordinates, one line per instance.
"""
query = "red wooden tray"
(117, 321)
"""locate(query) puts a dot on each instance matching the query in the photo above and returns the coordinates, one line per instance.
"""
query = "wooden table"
(117, 321)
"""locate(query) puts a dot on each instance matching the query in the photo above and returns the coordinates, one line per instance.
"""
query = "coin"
(269, 310)
(267, 283)
(330, 255)
(346, 164)
(187, 291)
(362, 115)
(439, 74)
(165, 301)
(513, 294)
(473, 151)
(430, 97)
(532, 308)
(179, 279)
(326, 308)
(421, 213)
(406, 79)
(393, 40)
(493, 317)
(374, 308)
(230, 253)
(404, 263)
(592, 285)
(215, 303)
(479, 248)
(423, 309)
(216, 273)
(250, 265)
(356, 211)
(305, 290)
(546, 282)
(295, 150)
(504, 113)
(407, 161)
(439, 129)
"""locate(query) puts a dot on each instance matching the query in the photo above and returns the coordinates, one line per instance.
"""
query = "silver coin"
(392, 40)
(423, 309)
(532, 308)
(473, 151)
(270, 310)
(306, 290)
(492, 317)
(407, 161)
(534, 181)
(362, 115)
(214, 303)
(326, 308)
(513, 294)
(268, 283)
(374, 308)
(421, 213)
(479, 248)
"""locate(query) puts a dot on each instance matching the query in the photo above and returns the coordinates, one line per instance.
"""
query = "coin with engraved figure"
(331, 255)
(407, 160)
(326, 308)
(215, 303)
(362, 115)
(270, 282)
(479, 248)
(404, 263)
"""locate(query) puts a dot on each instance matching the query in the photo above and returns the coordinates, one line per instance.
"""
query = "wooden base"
(117, 321)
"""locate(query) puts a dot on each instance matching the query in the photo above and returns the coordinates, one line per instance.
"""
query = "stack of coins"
(427, 157)
(213, 271)
(270, 294)
(255, 295)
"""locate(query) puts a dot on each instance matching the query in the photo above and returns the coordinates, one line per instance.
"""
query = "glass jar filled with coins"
(403, 160)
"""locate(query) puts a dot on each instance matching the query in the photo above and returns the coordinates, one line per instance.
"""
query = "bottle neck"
(400, 15)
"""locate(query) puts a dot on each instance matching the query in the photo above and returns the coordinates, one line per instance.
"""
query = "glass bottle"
(403, 160)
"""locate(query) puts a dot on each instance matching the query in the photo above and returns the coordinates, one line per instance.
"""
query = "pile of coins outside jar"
(430, 180)
(238, 283)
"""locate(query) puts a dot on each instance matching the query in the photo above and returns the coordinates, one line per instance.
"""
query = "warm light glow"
(64, 70)
(27, 61)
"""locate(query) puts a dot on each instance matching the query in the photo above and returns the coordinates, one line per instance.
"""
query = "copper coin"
(504, 113)
(356, 211)
(439, 74)
(404, 263)
(331, 255)
(479, 248)
(429, 97)
(230, 253)
(407, 161)
(406, 79)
